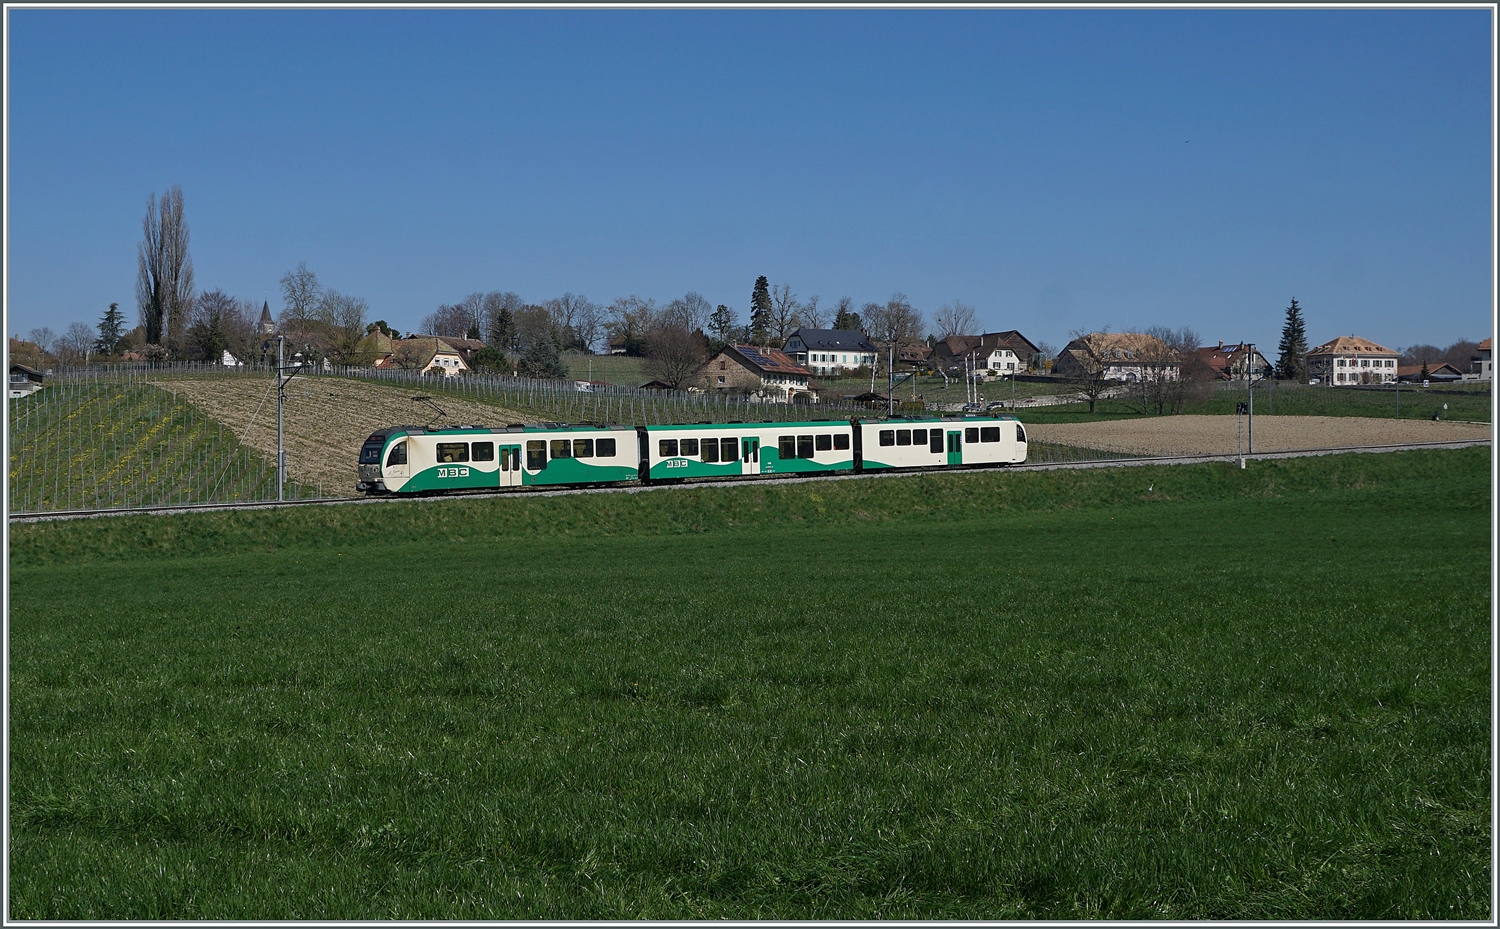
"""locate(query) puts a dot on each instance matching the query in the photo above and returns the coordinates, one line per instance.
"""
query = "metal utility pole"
(1250, 383)
(890, 380)
(281, 378)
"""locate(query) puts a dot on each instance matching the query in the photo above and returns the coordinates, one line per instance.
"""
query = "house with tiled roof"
(1349, 360)
(1229, 362)
(999, 352)
(1442, 372)
(1118, 356)
(765, 373)
(1482, 365)
(829, 351)
(427, 354)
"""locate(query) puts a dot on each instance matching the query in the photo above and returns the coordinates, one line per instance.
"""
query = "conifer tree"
(1292, 363)
(760, 312)
(111, 330)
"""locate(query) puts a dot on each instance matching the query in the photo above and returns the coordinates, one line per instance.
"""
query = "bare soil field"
(1217, 435)
(326, 419)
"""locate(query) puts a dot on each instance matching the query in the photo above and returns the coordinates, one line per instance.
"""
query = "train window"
(398, 454)
(484, 451)
(825, 443)
(887, 437)
(971, 435)
(536, 456)
(515, 459)
(1020, 433)
(562, 448)
(726, 449)
(919, 437)
(903, 436)
(689, 448)
(583, 448)
(804, 446)
(788, 445)
(369, 453)
(989, 434)
(711, 451)
(841, 441)
(605, 448)
(504, 459)
(449, 452)
(936, 447)
(667, 448)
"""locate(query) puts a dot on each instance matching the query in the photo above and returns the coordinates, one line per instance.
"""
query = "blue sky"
(1057, 169)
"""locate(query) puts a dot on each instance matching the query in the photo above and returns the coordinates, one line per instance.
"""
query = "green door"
(510, 465)
(955, 448)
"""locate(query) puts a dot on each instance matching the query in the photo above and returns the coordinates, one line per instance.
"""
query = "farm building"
(1481, 366)
(1003, 352)
(1441, 372)
(1349, 360)
(1228, 362)
(1121, 356)
(764, 373)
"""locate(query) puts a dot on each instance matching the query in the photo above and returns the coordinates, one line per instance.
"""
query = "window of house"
(562, 448)
(788, 446)
(841, 441)
(721, 367)
(825, 443)
(583, 448)
(689, 448)
(536, 456)
(397, 455)
(971, 435)
(887, 437)
(449, 452)
(667, 448)
(605, 448)
(721, 378)
(989, 434)
(903, 436)
(484, 451)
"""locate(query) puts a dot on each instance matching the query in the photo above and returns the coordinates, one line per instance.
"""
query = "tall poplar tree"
(760, 312)
(1292, 363)
(164, 285)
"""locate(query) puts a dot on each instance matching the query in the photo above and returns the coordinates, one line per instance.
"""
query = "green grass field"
(87, 445)
(1465, 402)
(1134, 693)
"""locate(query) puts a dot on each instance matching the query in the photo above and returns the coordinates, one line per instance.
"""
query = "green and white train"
(418, 460)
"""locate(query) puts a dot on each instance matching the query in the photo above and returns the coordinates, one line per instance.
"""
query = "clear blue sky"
(1058, 170)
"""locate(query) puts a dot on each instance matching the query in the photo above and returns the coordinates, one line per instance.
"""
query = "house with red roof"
(766, 373)
(1481, 366)
(1349, 360)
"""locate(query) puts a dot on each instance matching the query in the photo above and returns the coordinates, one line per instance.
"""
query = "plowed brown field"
(326, 419)
(1217, 435)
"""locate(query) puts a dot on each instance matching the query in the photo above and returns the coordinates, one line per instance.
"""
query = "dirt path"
(327, 419)
(1216, 435)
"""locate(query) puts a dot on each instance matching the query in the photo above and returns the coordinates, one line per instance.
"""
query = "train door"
(396, 463)
(510, 465)
(955, 447)
(750, 455)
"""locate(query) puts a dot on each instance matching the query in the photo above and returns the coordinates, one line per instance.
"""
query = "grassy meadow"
(1135, 693)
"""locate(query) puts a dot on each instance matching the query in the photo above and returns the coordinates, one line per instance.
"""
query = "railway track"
(740, 482)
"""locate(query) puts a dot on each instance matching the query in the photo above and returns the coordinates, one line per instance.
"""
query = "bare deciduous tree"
(300, 293)
(896, 322)
(811, 315)
(630, 319)
(164, 282)
(956, 318)
(690, 311)
(1088, 353)
(75, 344)
(450, 320)
(44, 338)
(344, 316)
(784, 308)
(674, 353)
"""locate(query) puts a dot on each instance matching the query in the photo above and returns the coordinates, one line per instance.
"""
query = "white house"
(829, 351)
(1349, 360)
